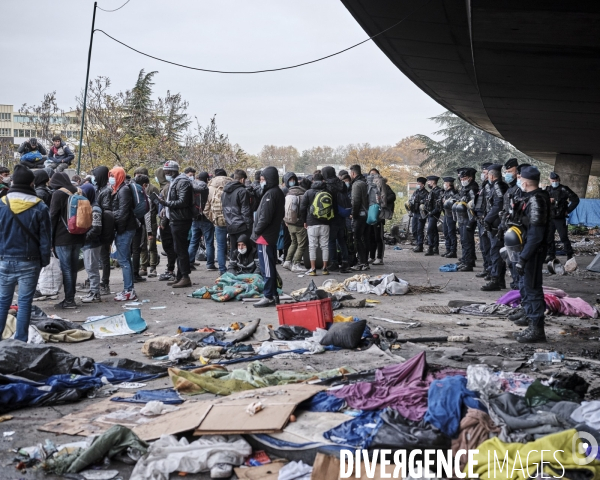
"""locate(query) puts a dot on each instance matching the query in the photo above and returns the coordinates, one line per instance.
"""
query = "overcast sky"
(358, 96)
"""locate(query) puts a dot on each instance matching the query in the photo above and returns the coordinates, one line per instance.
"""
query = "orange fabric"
(119, 175)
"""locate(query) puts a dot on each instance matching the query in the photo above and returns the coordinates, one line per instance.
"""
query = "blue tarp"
(587, 213)
(168, 396)
(358, 432)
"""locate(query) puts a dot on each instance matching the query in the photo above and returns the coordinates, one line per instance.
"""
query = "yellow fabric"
(68, 336)
(19, 205)
(517, 457)
(340, 318)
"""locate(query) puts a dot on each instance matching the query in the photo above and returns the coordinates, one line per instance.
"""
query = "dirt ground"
(490, 338)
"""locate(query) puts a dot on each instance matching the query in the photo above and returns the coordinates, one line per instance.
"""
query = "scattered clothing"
(475, 428)
(588, 413)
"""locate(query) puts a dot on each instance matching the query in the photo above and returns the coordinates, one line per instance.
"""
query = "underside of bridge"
(526, 71)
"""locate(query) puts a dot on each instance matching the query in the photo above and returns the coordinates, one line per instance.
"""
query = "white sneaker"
(287, 265)
(297, 268)
(378, 261)
(92, 298)
(125, 296)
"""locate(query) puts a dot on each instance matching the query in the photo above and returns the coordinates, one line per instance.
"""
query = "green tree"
(139, 106)
(463, 145)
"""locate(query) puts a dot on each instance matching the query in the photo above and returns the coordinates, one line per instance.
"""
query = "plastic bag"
(285, 332)
(176, 353)
(311, 293)
(481, 378)
(397, 288)
(345, 335)
(50, 280)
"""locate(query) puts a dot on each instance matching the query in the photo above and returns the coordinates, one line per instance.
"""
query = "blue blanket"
(587, 212)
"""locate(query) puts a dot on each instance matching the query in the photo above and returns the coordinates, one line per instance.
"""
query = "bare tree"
(46, 118)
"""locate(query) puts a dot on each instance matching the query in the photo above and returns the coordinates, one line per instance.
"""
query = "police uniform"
(466, 220)
(433, 207)
(495, 204)
(563, 201)
(485, 243)
(449, 197)
(417, 200)
(533, 214)
(512, 193)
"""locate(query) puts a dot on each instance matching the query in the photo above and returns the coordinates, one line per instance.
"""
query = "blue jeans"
(221, 233)
(123, 244)
(26, 274)
(69, 259)
(207, 230)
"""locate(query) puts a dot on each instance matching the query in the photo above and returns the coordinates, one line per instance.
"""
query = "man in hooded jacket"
(42, 190)
(337, 227)
(66, 245)
(164, 229)
(269, 216)
(149, 252)
(104, 201)
(25, 242)
(236, 210)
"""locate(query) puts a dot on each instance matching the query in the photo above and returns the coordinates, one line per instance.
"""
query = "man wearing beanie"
(25, 243)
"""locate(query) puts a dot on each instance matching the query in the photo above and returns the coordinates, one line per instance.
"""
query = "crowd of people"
(242, 226)
(515, 220)
(326, 221)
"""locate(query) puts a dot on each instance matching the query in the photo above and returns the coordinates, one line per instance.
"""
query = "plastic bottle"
(553, 357)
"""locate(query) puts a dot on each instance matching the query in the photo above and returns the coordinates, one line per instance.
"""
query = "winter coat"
(236, 208)
(25, 147)
(42, 190)
(307, 201)
(122, 208)
(180, 200)
(271, 209)
(58, 212)
(286, 181)
(243, 263)
(62, 154)
(360, 198)
(337, 189)
(213, 189)
(92, 237)
(15, 244)
(103, 189)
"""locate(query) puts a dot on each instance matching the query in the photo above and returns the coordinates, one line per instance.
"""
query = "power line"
(266, 70)
(110, 11)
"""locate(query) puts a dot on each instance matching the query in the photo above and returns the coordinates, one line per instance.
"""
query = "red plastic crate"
(310, 315)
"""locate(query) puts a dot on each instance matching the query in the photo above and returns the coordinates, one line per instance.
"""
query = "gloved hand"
(520, 268)
(470, 227)
(487, 226)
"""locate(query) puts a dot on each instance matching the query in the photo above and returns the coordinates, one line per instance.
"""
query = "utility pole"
(87, 79)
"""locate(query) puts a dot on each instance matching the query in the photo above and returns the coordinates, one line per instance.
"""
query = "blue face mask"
(508, 177)
(555, 184)
(156, 178)
(112, 180)
(93, 180)
(292, 183)
(519, 182)
(263, 184)
(348, 184)
(169, 178)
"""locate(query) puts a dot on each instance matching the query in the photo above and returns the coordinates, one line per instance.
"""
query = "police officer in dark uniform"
(532, 214)
(510, 178)
(481, 210)
(495, 203)
(433, 207)
(563, 201)
(466, 218)
(449, 197)
(417, 205)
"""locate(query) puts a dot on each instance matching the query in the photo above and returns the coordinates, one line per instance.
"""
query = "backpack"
(322, 206)
(141, 204)
(215, 213)
(79, 213)
(292, 209)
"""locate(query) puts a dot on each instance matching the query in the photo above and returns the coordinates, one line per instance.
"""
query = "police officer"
(510, 178)
(433, 207)
(495, 203)
(449, 197)
(466, 220)
(563, 201)
(481, 204)
(417, 205)
(533, 214)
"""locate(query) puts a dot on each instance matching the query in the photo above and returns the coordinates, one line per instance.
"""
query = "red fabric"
(261, 241)
(119, 175)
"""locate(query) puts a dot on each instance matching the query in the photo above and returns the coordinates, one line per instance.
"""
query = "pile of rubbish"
(557, 301)
(260, 415)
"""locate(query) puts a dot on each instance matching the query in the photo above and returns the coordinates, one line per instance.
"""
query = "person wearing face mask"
(164, 228)
(236, 210)
(449, 197)
(433, 207)
(511, 168)
(337, 227)
(467, 221)
(563, 201)
(417, 200)
(149, 253)
(125, 226)
(532, 217)
(480, 210)
(4, 181)
(179, 205)
(25, 243)
(352, 258)
(243, 257)
(495, 203)
(295, 223)
(104, 201)
(269, 216)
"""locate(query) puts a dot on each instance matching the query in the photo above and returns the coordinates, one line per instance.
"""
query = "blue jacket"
(15, 244)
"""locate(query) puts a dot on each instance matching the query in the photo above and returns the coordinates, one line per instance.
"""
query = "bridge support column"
(574, 171)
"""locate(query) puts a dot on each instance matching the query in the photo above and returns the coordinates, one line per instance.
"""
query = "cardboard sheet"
(327, 467)
(264, 472)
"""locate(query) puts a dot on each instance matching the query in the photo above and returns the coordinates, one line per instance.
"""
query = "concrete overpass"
(527, 71)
